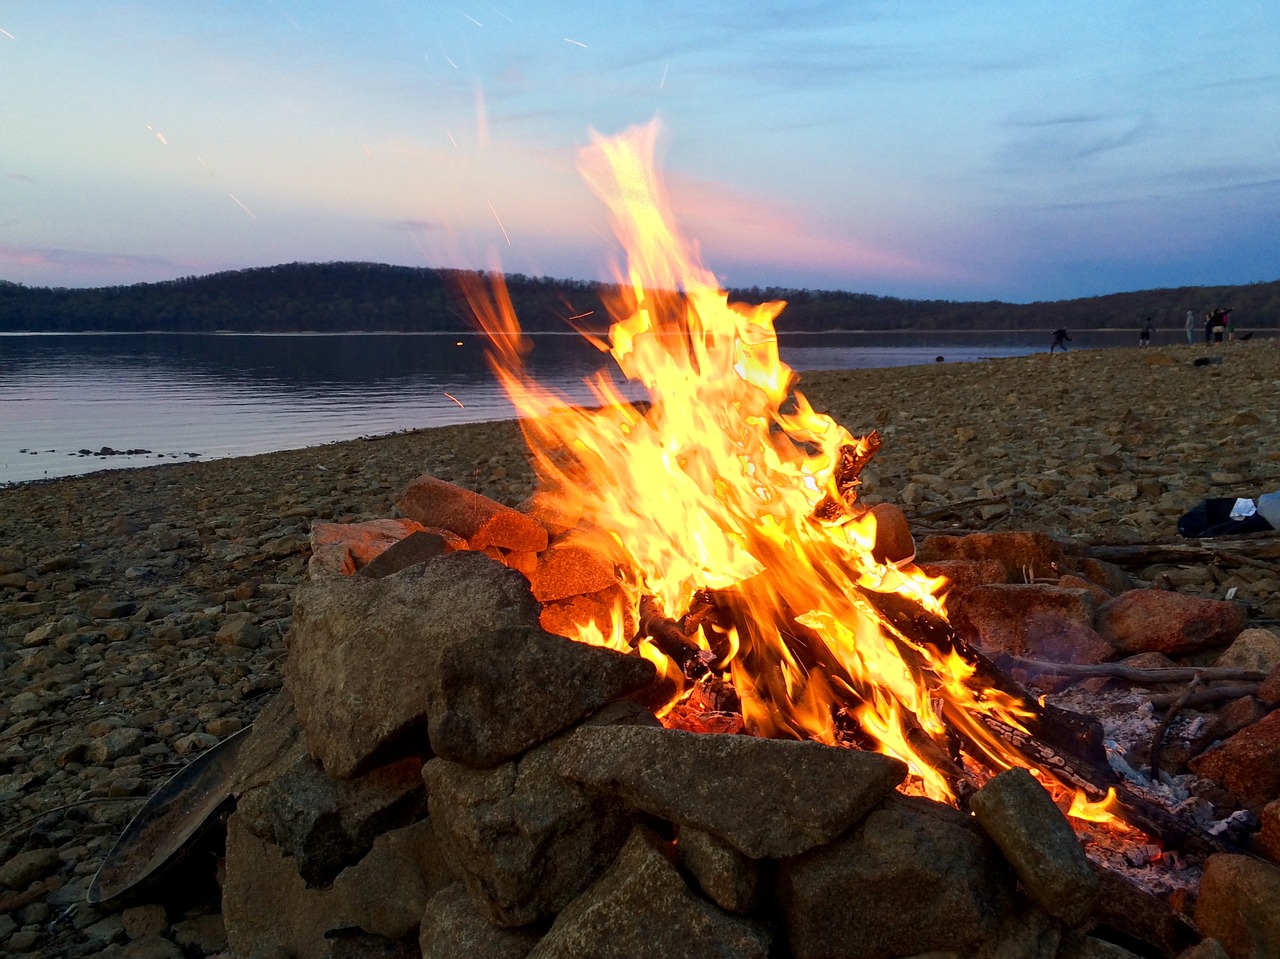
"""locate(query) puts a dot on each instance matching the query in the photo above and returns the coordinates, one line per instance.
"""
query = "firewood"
(1169, 674)
(1257, 546)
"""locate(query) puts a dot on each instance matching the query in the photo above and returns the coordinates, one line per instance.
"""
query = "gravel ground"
(142, 611)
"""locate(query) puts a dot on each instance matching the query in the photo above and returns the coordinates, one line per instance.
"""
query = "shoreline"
(143, 612)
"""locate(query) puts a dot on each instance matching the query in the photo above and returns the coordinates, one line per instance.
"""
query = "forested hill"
(335, 297)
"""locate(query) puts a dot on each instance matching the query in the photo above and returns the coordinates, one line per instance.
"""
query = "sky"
(986, 149)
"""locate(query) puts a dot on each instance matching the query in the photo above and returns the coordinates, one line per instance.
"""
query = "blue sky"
(961, 150)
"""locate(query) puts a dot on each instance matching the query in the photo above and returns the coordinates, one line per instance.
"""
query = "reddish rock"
(1024, 555)
(1098, 593)
(1109, 576)
(570, 570)
(1156, 620)
(1267, 841)
(1035, 621)
(564, 617)
(479, 520)
(1269, 689)
(1248, 764)
(1237, 906)
(339, 549)
(893, 535)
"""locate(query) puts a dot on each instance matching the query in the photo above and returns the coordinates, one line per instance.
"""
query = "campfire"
(694, 697)
(727, 511)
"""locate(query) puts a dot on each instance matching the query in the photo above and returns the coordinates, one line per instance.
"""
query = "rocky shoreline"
(143, 611)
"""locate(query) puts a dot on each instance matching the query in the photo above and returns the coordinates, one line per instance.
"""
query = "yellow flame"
(716, 484)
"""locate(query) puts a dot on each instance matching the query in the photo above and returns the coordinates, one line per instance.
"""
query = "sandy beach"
(143, 611)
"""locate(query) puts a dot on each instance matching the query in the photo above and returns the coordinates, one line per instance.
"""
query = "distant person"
(1191, 327)
(1060, 338)
(1230, 322)
(1208, 327)
(1219, 324)
(1144, 335)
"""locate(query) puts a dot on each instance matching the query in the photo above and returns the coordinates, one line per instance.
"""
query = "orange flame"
(716, 485)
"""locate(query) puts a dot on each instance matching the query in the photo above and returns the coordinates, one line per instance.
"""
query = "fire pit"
(527, 701)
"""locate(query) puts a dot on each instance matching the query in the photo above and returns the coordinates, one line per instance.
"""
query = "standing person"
(1208, 327)
(1230, 322)
(1219, 324)
(1060, 339)
(1191, 327)
(1144, 336)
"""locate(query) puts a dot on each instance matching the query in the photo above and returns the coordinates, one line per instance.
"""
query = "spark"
(449, 60)
(473, 20)
(451, 139)
(242, 206)
(7, 33)
(663, 84)
(160, 137)
(582, 316)
(576, 43)
(499, 219)
(367, 151)
(456, 400)
(503, 15)
(201, 159)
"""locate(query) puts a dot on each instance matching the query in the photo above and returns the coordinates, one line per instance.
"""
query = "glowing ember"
(723, 501)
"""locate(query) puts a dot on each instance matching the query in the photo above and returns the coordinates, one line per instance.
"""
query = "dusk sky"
(922, 148)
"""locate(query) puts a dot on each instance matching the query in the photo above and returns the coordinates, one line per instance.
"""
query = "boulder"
(524, 839)
(1248, 764)
(766, 797)
(339, 549)
(362, 652)
(1253, 649)
(1024, 555)
(641, 907)
(1156, 620)
(1237, 905)
(482, 522)
(913, 877)
(494, 695)
(1035, 621)
(732, 880)
(1039, 843)
(452, 928)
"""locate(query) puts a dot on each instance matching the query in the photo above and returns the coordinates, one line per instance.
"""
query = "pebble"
(143, 611)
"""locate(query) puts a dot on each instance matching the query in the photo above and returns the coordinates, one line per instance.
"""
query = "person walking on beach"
(1060, 339)
(1144, 336)
(1191, 327)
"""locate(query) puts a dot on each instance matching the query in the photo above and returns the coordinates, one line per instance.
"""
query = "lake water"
(64, 397)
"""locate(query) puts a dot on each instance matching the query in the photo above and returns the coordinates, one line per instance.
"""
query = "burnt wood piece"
(851, 463)
(669, 637)
(1063, 731)
(1133, 674)
(1068, 744)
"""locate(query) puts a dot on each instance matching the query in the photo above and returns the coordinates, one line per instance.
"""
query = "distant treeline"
(337, 297)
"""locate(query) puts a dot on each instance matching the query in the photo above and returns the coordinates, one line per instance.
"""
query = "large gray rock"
(641, 908)
(363, 652)
(768, 798)
(452, 928)
(327, 825)
(386, 892)
(525, 840)
(494, 695)
(913, 877)
(1039, 843)
(729, 878)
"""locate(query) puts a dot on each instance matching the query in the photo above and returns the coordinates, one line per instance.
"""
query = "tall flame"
(727, 483)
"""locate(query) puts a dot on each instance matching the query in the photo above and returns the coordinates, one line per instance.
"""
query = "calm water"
(183, 396)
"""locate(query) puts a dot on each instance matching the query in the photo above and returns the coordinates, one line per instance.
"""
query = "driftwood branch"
(1157, 740)
(1169, 674)
(1209, 694)
(1233, 550)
